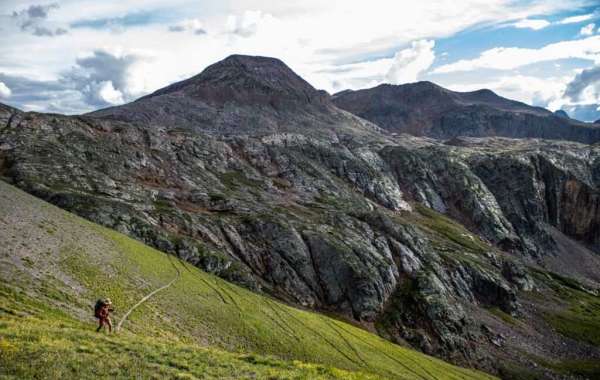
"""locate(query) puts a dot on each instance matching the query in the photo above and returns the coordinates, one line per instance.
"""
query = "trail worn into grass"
(147, 297)
(38, 342)
(189, 308)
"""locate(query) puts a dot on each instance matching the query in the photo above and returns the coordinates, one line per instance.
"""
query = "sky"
(75, 56)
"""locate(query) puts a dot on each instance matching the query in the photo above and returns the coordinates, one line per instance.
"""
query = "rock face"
(250, 173)
(240, 95)
(510, 196)
(426, 109)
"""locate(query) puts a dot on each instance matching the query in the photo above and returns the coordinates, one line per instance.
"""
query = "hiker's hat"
(107, 301)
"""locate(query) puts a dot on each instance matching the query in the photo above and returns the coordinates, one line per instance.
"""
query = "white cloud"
(502, 58)
(343, 43)
(547, 85)
(579, 95)
(109, 94)
(409, 63)
(33, 19)
(576, 19)
(535, 24)
(190, 25)
(42, 31)
(248, 23)
(5, 92)
(354, 75)
(585, 86)
(587, 30)
(524, 88)
(107, 77)
(100, 79)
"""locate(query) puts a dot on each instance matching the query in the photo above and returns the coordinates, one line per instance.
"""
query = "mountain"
(468, 249)
(426, 109)
(201, 326)
(241, 95)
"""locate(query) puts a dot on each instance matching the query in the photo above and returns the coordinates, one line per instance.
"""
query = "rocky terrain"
(426, 109)
(470, 249)
(54, 265)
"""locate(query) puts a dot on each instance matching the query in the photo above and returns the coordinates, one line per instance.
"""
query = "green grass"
(587, 369)
(579, 327)
(81, 262)
(163, 205)
(450, 230)
(38, 342)
(507, 318)
(238, 180)
(580, 320)
(514, 372)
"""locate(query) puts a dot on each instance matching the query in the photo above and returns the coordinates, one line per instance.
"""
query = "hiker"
(102, 311)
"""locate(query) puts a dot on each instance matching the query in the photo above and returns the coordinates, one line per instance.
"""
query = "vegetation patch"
(587, 369)
(581, 319)
(236, 180)
(41, 343)
(450, 230)
(162, 337)
(507, 318)
(163, 205)
(514, 372)
(582, 328)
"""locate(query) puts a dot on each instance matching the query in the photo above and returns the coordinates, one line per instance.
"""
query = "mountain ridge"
(240, 95)
(426, 109)
(445, 245)
(74, 262)
(483, 95)
(270, 90)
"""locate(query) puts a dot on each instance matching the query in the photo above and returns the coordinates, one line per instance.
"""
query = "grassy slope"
(67, 263)
(40, 342)
(580, 320)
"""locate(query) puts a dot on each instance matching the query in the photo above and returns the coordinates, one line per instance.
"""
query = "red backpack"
(99, 305)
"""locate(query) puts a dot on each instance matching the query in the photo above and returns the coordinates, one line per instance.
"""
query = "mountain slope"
(425, 109)
(41, 342)
(243, 95)
(54, 265)
(429, 243)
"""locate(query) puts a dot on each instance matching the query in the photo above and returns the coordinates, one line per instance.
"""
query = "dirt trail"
(148, 296)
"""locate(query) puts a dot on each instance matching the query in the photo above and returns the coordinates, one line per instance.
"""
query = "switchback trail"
(148, 296)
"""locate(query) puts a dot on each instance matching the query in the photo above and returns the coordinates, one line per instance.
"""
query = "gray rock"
(268, 184)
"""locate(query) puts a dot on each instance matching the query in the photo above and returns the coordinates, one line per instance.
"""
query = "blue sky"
(74, 56)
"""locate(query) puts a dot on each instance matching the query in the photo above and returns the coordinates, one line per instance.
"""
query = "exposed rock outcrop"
(250, 173)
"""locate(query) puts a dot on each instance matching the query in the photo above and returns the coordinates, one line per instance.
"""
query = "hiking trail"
(147, 297)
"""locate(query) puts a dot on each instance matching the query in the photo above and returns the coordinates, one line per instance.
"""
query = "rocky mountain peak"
(247, 79)
(240, 95)
(247, 171)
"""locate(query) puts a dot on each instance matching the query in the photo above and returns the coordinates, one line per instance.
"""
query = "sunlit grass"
(199, 310)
